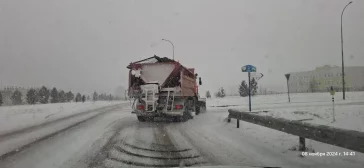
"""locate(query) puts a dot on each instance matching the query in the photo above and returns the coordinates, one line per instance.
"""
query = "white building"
(322, 78)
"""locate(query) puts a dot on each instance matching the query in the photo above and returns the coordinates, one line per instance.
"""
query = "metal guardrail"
(349, 139)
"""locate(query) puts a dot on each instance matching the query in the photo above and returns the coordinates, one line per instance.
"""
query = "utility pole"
(249, 89)
(287, 77)
(342, 50)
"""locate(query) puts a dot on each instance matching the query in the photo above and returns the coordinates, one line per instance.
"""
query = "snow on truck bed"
(309, 107)
(18, 117)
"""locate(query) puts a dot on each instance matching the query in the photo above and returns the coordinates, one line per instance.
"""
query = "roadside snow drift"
(270, 146)
(14, 118)
(308, 107)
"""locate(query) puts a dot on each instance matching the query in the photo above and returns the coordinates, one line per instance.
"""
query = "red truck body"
(161, 86)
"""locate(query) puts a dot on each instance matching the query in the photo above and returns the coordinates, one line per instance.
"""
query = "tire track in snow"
(146, 145)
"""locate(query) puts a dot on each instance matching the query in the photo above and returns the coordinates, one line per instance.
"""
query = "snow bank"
(256, 145)
(280, 99)
(271, 146)
(309, 107)
(18, 117)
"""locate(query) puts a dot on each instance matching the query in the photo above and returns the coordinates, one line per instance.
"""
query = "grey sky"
(85, 45)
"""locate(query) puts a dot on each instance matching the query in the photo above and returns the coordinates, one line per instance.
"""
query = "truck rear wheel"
(197, 109)
(141, 118)
(186, 116)
(176, 119)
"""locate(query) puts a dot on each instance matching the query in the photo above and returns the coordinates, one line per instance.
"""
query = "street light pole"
(287, 77)
(342, 50)
(172, 45)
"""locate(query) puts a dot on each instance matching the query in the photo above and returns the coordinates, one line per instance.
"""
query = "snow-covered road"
(114, 138)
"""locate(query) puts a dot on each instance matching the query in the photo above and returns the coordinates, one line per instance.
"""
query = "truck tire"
(141, 118)
(184, 118)
(176, 119)
(197, 109)
(149, 119)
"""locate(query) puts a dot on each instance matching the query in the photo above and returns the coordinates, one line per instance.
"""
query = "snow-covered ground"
(224, 144)
(74, 147)
(115, 138)
(315, 107)
(14, 118)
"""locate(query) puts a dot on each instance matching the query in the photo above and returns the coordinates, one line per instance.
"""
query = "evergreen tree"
(88, 97)
(208, 95)
(70, 96)
(43, 95)
(102, 96)
(253, 87)
(16, 97)
(1, 99)
(54, 96)
(32, 96)
(110, 97)
(95, 96)
(83, 98)
(222, 92)
(243, 89)
(78, 97)
(62, 96)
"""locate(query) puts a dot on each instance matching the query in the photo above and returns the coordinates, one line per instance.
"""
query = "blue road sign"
(249, 68)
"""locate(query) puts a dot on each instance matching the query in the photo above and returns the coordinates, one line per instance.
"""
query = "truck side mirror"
(199, 81)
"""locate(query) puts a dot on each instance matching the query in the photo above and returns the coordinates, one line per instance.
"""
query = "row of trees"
(220, 93)
(103, 96)
(243, 89)
(44, 95)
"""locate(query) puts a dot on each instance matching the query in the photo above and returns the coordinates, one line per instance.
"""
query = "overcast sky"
(85, 45)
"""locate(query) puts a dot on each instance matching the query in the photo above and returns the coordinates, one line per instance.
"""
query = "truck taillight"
(140, 107)
(178, 107)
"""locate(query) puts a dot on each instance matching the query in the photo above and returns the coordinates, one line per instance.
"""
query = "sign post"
(249, 69)
(287, 77)
(332, 92)
(249, 93)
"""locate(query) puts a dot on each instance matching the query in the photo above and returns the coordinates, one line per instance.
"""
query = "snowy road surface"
(113, 137)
